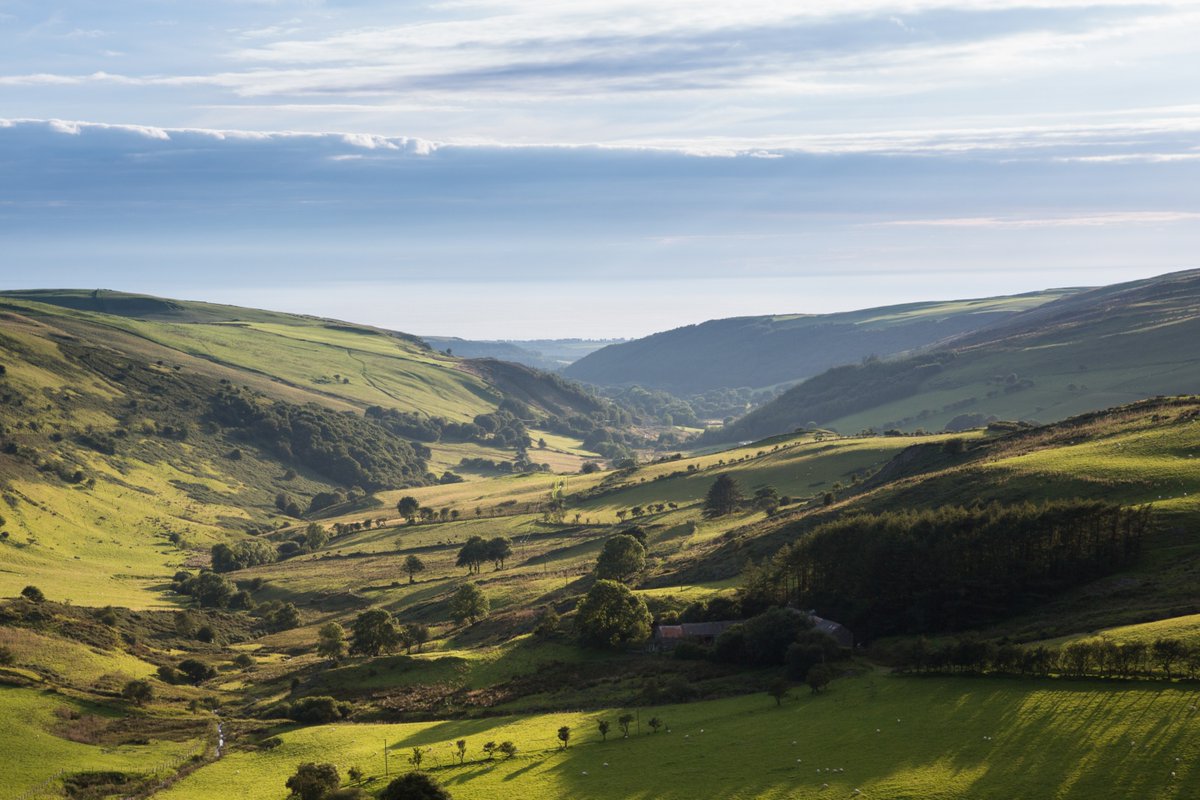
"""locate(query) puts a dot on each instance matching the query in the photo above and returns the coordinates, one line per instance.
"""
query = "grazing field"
(888, 737)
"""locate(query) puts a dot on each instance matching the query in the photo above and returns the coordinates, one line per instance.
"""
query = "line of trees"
(950, 568)
(1165, 657)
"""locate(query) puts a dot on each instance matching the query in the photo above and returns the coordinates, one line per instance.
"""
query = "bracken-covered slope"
(758, 352)
(1090, 350)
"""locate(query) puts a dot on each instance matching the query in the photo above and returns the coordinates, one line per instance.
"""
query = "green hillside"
(1086, 351)
(759, 352)
(137, 431)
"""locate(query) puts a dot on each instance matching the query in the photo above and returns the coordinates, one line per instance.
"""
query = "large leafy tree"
(623, 557)
(723, 497)
(372, 633)
(610, 615)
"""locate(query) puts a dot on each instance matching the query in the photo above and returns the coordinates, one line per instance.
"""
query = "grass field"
(935, 739)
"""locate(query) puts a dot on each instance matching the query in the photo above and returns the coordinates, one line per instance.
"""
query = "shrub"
(196, 671)
(314, 781)
(414, 786)
(318, 710)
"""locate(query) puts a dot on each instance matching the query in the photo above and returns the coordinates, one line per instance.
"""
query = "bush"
(196, 671)
(414, 786)
(138, 692)
(33, 594)
(318, 710)
(314, 781)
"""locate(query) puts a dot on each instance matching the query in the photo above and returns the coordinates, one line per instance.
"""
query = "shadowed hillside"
(764, 351)
(1086, 351)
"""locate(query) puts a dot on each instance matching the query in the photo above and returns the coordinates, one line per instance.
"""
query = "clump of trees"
(478, 551)
(611, 616)
(948, 568)
(249, 553)
(345, 448)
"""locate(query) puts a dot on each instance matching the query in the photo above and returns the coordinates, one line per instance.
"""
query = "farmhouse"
(667, 637)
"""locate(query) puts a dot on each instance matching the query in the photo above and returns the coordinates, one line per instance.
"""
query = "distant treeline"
(343, 447)
(947, 569)
(1102, 658)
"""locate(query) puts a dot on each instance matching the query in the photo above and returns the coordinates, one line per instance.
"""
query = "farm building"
(666, 637)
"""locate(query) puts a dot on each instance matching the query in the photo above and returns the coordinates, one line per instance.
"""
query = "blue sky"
(505, 168)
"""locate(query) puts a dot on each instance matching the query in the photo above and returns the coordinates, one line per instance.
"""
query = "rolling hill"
(758, 352)
(1085, 351)
(136, 431)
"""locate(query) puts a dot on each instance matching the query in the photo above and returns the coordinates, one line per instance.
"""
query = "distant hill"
(547, 354)
(1084, 351)
(758, 352)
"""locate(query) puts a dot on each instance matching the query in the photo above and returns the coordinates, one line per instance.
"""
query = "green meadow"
(886, 737)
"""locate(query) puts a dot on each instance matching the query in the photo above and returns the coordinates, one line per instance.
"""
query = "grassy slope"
(766, 351)
(119, 527)
(34, 753)
(1087, 351)
(938, 739)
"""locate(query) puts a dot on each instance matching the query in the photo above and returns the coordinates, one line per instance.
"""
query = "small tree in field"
(461, 748)
(418, 755)
(818, 678)
(723, 497)
(780, 689)
(625, 720)
(655, 723)
(602, 726)
(564, 736)
(331, 641)
(489, 750)
(507, 749)
(469, 603)
(408, 507)
(413, 565)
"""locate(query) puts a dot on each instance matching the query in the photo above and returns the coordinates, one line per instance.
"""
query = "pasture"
(888, 737)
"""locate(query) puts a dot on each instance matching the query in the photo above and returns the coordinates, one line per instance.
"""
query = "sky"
(594, 168)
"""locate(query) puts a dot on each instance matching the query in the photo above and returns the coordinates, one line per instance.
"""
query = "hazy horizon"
(708, 300)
